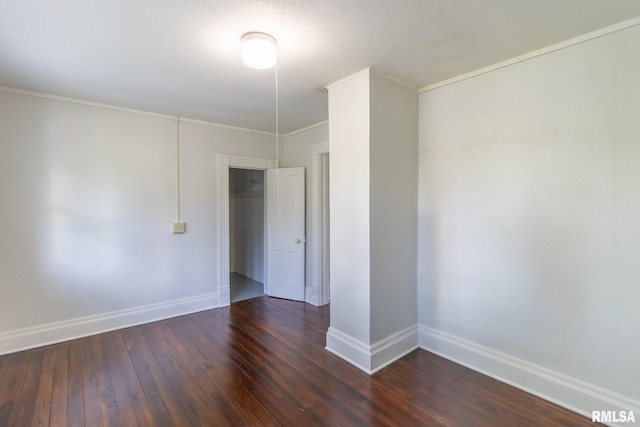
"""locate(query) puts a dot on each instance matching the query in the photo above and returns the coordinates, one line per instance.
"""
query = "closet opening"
(247, 233)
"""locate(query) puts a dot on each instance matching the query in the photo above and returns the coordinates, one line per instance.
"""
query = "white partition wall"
(373, 202)
(349, 333)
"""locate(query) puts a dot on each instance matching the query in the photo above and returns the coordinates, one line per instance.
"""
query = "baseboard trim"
(571, 393)
(51, 333)
(224, 299)
(394, 347)
(311, 295)
(372, 358)
(348, 348)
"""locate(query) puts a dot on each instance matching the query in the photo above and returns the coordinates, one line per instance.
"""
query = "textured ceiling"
(181, 57)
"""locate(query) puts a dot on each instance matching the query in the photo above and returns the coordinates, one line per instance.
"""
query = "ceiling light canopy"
(259, 50)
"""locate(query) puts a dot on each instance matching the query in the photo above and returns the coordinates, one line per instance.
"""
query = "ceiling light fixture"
(259, 50)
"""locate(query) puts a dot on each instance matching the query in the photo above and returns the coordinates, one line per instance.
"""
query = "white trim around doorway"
(317, 293)
(224, 162)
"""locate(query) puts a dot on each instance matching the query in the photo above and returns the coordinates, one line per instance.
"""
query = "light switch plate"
(179, 227)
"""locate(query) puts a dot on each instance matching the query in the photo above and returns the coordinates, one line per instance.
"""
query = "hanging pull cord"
(277, 121)
(178, 167)
(277, 135)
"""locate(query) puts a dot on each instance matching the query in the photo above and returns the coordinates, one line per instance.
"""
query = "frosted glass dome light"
(259, 50)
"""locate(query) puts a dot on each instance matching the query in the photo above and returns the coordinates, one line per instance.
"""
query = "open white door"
(285, 233)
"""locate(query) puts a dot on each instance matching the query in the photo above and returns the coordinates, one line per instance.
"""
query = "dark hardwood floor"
(260, 362)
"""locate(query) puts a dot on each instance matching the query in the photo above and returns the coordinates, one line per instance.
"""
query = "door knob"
(297, 240)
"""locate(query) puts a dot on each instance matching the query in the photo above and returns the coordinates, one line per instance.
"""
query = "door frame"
(318, 292)
(224, 162)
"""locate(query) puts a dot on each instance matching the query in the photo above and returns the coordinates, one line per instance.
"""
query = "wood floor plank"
(89, 372)
(115, 365)
(203, 401)
(185, 391)
(104, 390)
(265, 390)
(323, 394)
(259, 362)
(30, 368)
(244, 407)
(272, 387)
(75, 405)
(133, 407)
(60, 388)
(157, 388)
(8, 384)
(42, 408)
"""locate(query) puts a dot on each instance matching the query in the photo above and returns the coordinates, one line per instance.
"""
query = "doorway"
(225, 163)
(246, 234)
(319, 290)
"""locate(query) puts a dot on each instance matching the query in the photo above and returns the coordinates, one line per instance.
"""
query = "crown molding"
(535, 53)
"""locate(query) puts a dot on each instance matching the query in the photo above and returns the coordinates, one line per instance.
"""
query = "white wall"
(349, 208)
(393, 206)
(88, 198)
(529, 218)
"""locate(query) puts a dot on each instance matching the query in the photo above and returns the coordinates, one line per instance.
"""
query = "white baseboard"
(311, 295)
(51, 333)
(392, 348)
(571, 393)
(350, 349)
(224, 296)
(372, 358)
